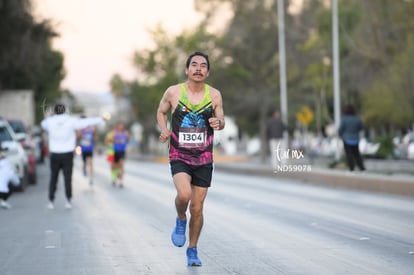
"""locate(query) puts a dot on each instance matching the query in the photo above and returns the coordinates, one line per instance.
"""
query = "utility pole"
(282, 67)
(335, 57)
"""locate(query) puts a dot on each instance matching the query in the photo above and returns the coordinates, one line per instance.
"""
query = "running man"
(196, 111)
(87, 138)
(118, 139)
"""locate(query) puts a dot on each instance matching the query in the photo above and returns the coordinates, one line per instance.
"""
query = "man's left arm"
(217, 121)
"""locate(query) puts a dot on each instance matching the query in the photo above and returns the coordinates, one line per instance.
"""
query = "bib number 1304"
(191, 139)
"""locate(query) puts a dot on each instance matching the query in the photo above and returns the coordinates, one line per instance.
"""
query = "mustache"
(198, 73)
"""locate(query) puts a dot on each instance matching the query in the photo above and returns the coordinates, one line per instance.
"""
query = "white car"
(404, 146)
(15, 152)
(38, 144)
(409, 143)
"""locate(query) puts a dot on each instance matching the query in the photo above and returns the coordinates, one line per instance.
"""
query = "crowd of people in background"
(65, 133)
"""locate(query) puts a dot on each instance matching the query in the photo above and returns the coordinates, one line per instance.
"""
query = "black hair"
(59, 109)
(349, 109)
(187, 64)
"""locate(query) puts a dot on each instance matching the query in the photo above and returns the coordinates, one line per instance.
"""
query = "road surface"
(253, 225)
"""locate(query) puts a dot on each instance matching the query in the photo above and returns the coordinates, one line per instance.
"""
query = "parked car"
(16, 154)
(404, 146)
(26, 141)
(18, 128)
(40, 148)
(408, 144)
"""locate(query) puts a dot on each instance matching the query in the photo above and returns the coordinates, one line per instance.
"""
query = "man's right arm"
(90, 121)
(163, 108)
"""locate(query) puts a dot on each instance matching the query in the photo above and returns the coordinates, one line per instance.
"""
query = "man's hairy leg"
(196, 210)
(182, 182)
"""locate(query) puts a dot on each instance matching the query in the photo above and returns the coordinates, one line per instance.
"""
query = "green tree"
(388, 99)
(159, 68)
(47, 81)
(248, 73)
(389, 103)
(27, 60)
(375, 60)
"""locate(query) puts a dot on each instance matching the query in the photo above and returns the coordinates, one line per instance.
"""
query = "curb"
(364, 181)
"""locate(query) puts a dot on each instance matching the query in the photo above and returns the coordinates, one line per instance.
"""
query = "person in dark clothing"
(118, 140)
(274, 133)
(349, 129)
(87, 139)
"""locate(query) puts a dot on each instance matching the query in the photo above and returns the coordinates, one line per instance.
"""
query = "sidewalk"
(381, 176)
(386, 176)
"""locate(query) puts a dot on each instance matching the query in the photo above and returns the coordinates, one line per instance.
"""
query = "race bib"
(85, 142)
(192, 137)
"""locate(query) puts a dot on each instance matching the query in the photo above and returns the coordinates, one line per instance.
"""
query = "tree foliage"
(161, 67)
(27, 60)
(249, 45)
(376, 61)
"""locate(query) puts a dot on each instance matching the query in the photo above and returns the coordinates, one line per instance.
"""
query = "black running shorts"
(118, 156)
(86, 155)
(200, 175)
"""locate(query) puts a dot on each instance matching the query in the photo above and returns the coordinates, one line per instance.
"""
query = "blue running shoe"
(178, 234)
(192, 258)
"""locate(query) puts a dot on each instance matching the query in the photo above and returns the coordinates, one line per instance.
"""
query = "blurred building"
(96, 104)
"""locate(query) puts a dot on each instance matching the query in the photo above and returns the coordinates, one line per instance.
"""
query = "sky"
(99, 37)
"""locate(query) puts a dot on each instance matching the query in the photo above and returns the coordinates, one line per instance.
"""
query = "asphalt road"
(253, 225)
